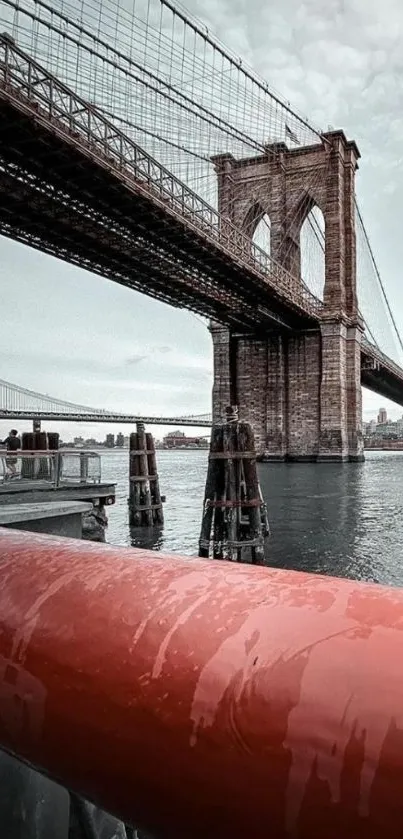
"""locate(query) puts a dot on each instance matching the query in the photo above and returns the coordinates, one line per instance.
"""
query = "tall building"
(382, 416)
(110, 441)
(120, 440)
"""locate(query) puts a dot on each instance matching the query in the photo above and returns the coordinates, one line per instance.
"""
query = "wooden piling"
(145, 505)
(154, 480)
(27, 463)
(54, 461)
(41, 445)
(53, 440)
(234, 523)
(213, 474)
(134, 485)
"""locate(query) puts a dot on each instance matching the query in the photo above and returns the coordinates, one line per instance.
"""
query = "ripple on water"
(342, 519)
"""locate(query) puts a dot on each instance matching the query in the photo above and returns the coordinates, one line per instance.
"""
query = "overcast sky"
(82, 338)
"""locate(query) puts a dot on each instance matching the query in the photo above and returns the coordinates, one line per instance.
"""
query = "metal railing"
(383, 360)
(33, 87)
(56, 469)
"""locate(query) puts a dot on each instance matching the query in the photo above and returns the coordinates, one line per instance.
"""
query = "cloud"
(135, 359)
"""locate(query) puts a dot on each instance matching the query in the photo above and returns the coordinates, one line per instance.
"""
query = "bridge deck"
(380, 374)
(72, 185)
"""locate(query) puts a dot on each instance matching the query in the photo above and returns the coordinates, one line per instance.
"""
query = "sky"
(79, 337)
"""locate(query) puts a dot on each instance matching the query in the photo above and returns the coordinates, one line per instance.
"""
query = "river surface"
(340, 519)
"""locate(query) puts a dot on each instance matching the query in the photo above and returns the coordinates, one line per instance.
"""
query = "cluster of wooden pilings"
(235, 523)
(145, 503)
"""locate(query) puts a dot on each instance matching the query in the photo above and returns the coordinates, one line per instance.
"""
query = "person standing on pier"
(12, 444)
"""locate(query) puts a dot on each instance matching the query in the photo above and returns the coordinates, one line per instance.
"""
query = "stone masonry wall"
(354, 394)
(302, 393)
(251, 386)
(222, 378)
(333, 404)
(276, 402)
(278, 391)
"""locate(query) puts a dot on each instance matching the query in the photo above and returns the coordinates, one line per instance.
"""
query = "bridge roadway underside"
(384, 382)
(56, 196)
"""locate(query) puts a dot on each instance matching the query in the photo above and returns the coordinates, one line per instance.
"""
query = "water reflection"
(149, 538)
(313, 512)
(341, 519)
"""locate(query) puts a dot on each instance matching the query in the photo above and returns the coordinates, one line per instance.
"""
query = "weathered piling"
(145, 505)
(154, 480)
(234, 524)
(55, 462)
(41, 445)
(27, 463)
(53, 441)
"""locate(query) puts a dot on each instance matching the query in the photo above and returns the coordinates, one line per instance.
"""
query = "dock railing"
(65, 467)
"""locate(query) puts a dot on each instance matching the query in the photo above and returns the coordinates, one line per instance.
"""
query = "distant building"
(79, 442)
(110, 441)
(387, 430)
(178, 440)
(120, 441)
(382, 416)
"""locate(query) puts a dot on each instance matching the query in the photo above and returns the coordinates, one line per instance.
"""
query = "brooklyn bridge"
(139, 148)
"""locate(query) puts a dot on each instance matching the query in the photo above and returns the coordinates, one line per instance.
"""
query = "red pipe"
(204, 699)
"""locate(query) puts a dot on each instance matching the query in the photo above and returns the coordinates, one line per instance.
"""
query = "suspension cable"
(378, 276)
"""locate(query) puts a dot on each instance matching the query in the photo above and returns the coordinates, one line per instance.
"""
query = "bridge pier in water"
(301, 393)
(298, 385)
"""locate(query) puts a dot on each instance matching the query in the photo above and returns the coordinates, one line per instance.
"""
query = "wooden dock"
(15, 491)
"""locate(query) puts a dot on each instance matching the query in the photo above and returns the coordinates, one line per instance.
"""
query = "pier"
(64, 474)
(46, 479)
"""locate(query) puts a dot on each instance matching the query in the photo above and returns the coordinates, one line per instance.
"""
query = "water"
(182, 479)
(341, 519)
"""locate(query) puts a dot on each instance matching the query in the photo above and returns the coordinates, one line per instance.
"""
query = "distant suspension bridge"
(18, 403)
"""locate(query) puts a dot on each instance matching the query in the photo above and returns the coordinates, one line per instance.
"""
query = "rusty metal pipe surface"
(203, 699)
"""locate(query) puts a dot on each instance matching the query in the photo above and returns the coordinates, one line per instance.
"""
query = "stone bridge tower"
(300, 390)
